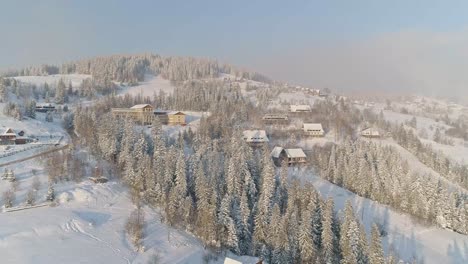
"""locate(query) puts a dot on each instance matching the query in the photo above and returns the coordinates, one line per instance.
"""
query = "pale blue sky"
(341, 44)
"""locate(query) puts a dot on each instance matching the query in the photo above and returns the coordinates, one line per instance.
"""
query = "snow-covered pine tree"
(330, 247)
(376, 255)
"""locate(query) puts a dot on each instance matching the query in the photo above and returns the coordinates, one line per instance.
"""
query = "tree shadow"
(457, 254)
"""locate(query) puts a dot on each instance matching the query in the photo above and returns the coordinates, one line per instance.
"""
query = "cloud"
(431, 63)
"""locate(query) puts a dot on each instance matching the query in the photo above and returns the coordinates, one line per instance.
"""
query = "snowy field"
(406, 237)
(87, 226)
(151, 85)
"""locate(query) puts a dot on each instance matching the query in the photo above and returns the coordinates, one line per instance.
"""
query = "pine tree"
(50, 193)
(228, 230)
(307, 247)
(329, 240)
(376, 255)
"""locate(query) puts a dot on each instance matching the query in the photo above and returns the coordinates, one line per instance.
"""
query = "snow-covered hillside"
(151, 85)
(406, 237)
(86, 226)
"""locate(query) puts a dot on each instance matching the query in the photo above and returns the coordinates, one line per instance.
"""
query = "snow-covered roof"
(275, 153)
(231, 261)
(275, 116)
(175, 113)
(300, 108)
(9, 132)
(295, 153)
(140, 106)
(290, 153)
(44, 105)
(255, 136)
(312, 126)
(370, 131)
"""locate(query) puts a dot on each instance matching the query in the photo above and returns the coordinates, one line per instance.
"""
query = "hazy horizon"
(363, 45)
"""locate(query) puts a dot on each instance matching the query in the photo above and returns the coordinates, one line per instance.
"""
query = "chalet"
(44, 108)
(176, 118)
(141, 113)
(294, 156)
(370, 133)
(300, 109)
(255, 137)
(272, 119)
(8, 137)
(313, 129)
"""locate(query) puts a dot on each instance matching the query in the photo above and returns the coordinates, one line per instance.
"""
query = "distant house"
(140, 113)
(313, 129)
(44, 108)
(231, 261)
(255, 137)
(9, 137)
(300, 109)
(272, 119)
(294, 156)
(176, 118)
(370, 133)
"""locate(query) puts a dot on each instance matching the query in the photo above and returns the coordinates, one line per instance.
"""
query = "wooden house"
(176, 118)
(255, 137)
(275, 119)
(370, 133)
(141, 113)
(294, 156)
(8, 137)
(313, 129)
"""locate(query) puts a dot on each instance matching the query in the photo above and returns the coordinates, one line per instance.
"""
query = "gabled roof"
(140, 106)
(175, 113)
(295, 108)
(312, 126)
(290, 153)
(295, 153)
(275, 153)
(255, 136)
(9, 132)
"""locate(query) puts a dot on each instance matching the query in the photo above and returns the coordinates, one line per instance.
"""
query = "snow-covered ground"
(457, 152)
(408, 238)
(47, 134)
(87, 226)
(151, 85)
